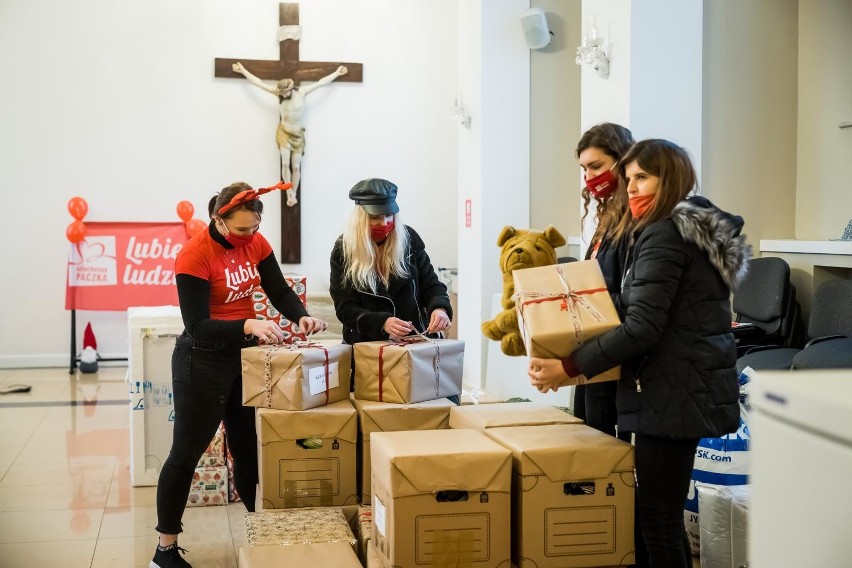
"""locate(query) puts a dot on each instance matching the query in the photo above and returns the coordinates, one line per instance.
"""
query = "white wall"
(823, 192)
(117, 103)
(750, 98)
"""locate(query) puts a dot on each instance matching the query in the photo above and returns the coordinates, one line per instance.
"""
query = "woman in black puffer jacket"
(382, 281)
(675, 346)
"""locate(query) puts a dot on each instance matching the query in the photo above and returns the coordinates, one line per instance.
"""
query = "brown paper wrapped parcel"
(293, 377)
(560, 307)
(408, 370)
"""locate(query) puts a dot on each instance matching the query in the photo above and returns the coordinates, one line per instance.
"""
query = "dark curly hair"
(613, 140)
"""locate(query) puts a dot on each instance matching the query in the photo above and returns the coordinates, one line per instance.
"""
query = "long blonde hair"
(366, 263)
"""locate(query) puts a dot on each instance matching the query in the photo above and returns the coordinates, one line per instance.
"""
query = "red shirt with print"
(232, 273)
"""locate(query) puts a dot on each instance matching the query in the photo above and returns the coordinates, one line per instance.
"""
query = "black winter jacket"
(675, 344)
(413, 299)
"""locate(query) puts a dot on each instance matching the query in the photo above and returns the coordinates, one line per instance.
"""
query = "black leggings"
(663, 471)
(207, 386)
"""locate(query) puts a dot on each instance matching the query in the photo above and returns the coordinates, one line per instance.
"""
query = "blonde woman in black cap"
(382, 281)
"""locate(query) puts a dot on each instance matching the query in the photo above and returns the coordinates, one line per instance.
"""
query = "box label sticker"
(316, 378)
(379, 515)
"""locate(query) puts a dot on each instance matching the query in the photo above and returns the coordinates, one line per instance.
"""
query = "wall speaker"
(536, 33)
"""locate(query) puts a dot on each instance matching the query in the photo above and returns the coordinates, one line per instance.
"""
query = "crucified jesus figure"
(290, 135)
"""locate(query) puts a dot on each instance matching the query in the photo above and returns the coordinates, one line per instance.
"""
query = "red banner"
(119, 265)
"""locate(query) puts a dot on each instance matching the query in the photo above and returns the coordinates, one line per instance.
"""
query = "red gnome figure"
(89, 356)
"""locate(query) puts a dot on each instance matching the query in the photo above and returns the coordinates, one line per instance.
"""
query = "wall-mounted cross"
(289, 66)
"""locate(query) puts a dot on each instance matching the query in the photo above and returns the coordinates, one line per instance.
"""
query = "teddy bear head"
(528, 248)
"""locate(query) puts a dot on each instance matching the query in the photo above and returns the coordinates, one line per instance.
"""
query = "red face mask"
(381, 232)
(237, 241)
(641, 204)
(603, 185)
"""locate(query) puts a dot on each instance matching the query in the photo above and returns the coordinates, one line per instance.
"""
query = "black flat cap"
(377, 196)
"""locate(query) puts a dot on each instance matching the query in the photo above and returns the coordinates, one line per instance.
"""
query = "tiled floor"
(65, 493)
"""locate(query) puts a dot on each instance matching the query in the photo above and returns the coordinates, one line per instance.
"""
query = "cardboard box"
(337, 554)
(307, 458)
(374, 559)
(480, 417)
(299, 526)
(408, 371)
(475, 395)
(441, 498)
(293, 377)
(264, 309)
(388, 417)
(152, 333)
(572, 496)
(209, 487)
(562, 306)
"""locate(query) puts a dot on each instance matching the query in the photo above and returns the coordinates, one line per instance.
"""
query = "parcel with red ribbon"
(561, 306)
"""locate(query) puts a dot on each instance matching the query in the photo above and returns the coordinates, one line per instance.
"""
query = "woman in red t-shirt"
(217, 271)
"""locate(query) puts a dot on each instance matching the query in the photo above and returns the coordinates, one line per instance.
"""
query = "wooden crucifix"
(290, 141)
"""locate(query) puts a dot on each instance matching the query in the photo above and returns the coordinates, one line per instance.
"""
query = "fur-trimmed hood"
(717, 232)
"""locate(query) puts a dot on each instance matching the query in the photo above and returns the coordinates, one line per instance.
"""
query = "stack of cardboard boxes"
(314, 438)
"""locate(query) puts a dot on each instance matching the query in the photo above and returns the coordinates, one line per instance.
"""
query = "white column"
(493, 168)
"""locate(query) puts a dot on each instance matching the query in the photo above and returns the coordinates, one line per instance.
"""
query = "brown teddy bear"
(520, 248)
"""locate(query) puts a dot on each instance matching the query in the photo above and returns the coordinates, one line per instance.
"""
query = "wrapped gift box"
(209, 487)
(307, 459)
(441, 498)
(264, 309)
(475, 395)
(572, 496)
(365, 532)
(480, 417)
(408, 370)
(233, 495)
(214, 455)
(388, 417)
(299, 526)
(336, 554)
(293, 377)
(562, 306)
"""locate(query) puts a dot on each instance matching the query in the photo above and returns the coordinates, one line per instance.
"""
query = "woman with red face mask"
(382, 281)
(675, 347)
(598, 153)
(216, 272)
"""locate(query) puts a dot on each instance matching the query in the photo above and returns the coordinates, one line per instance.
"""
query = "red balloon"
(185, 211)
(195, 226)
(78, 207)
(76, 231)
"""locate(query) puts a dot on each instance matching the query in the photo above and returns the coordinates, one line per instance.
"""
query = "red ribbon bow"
(251, 195)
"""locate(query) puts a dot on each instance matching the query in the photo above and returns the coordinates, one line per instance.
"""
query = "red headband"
(251, 195)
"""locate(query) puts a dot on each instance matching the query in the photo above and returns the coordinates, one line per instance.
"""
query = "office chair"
(829, 333)
(765, 307)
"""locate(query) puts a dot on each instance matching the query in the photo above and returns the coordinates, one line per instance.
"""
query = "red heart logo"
(91, 251)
